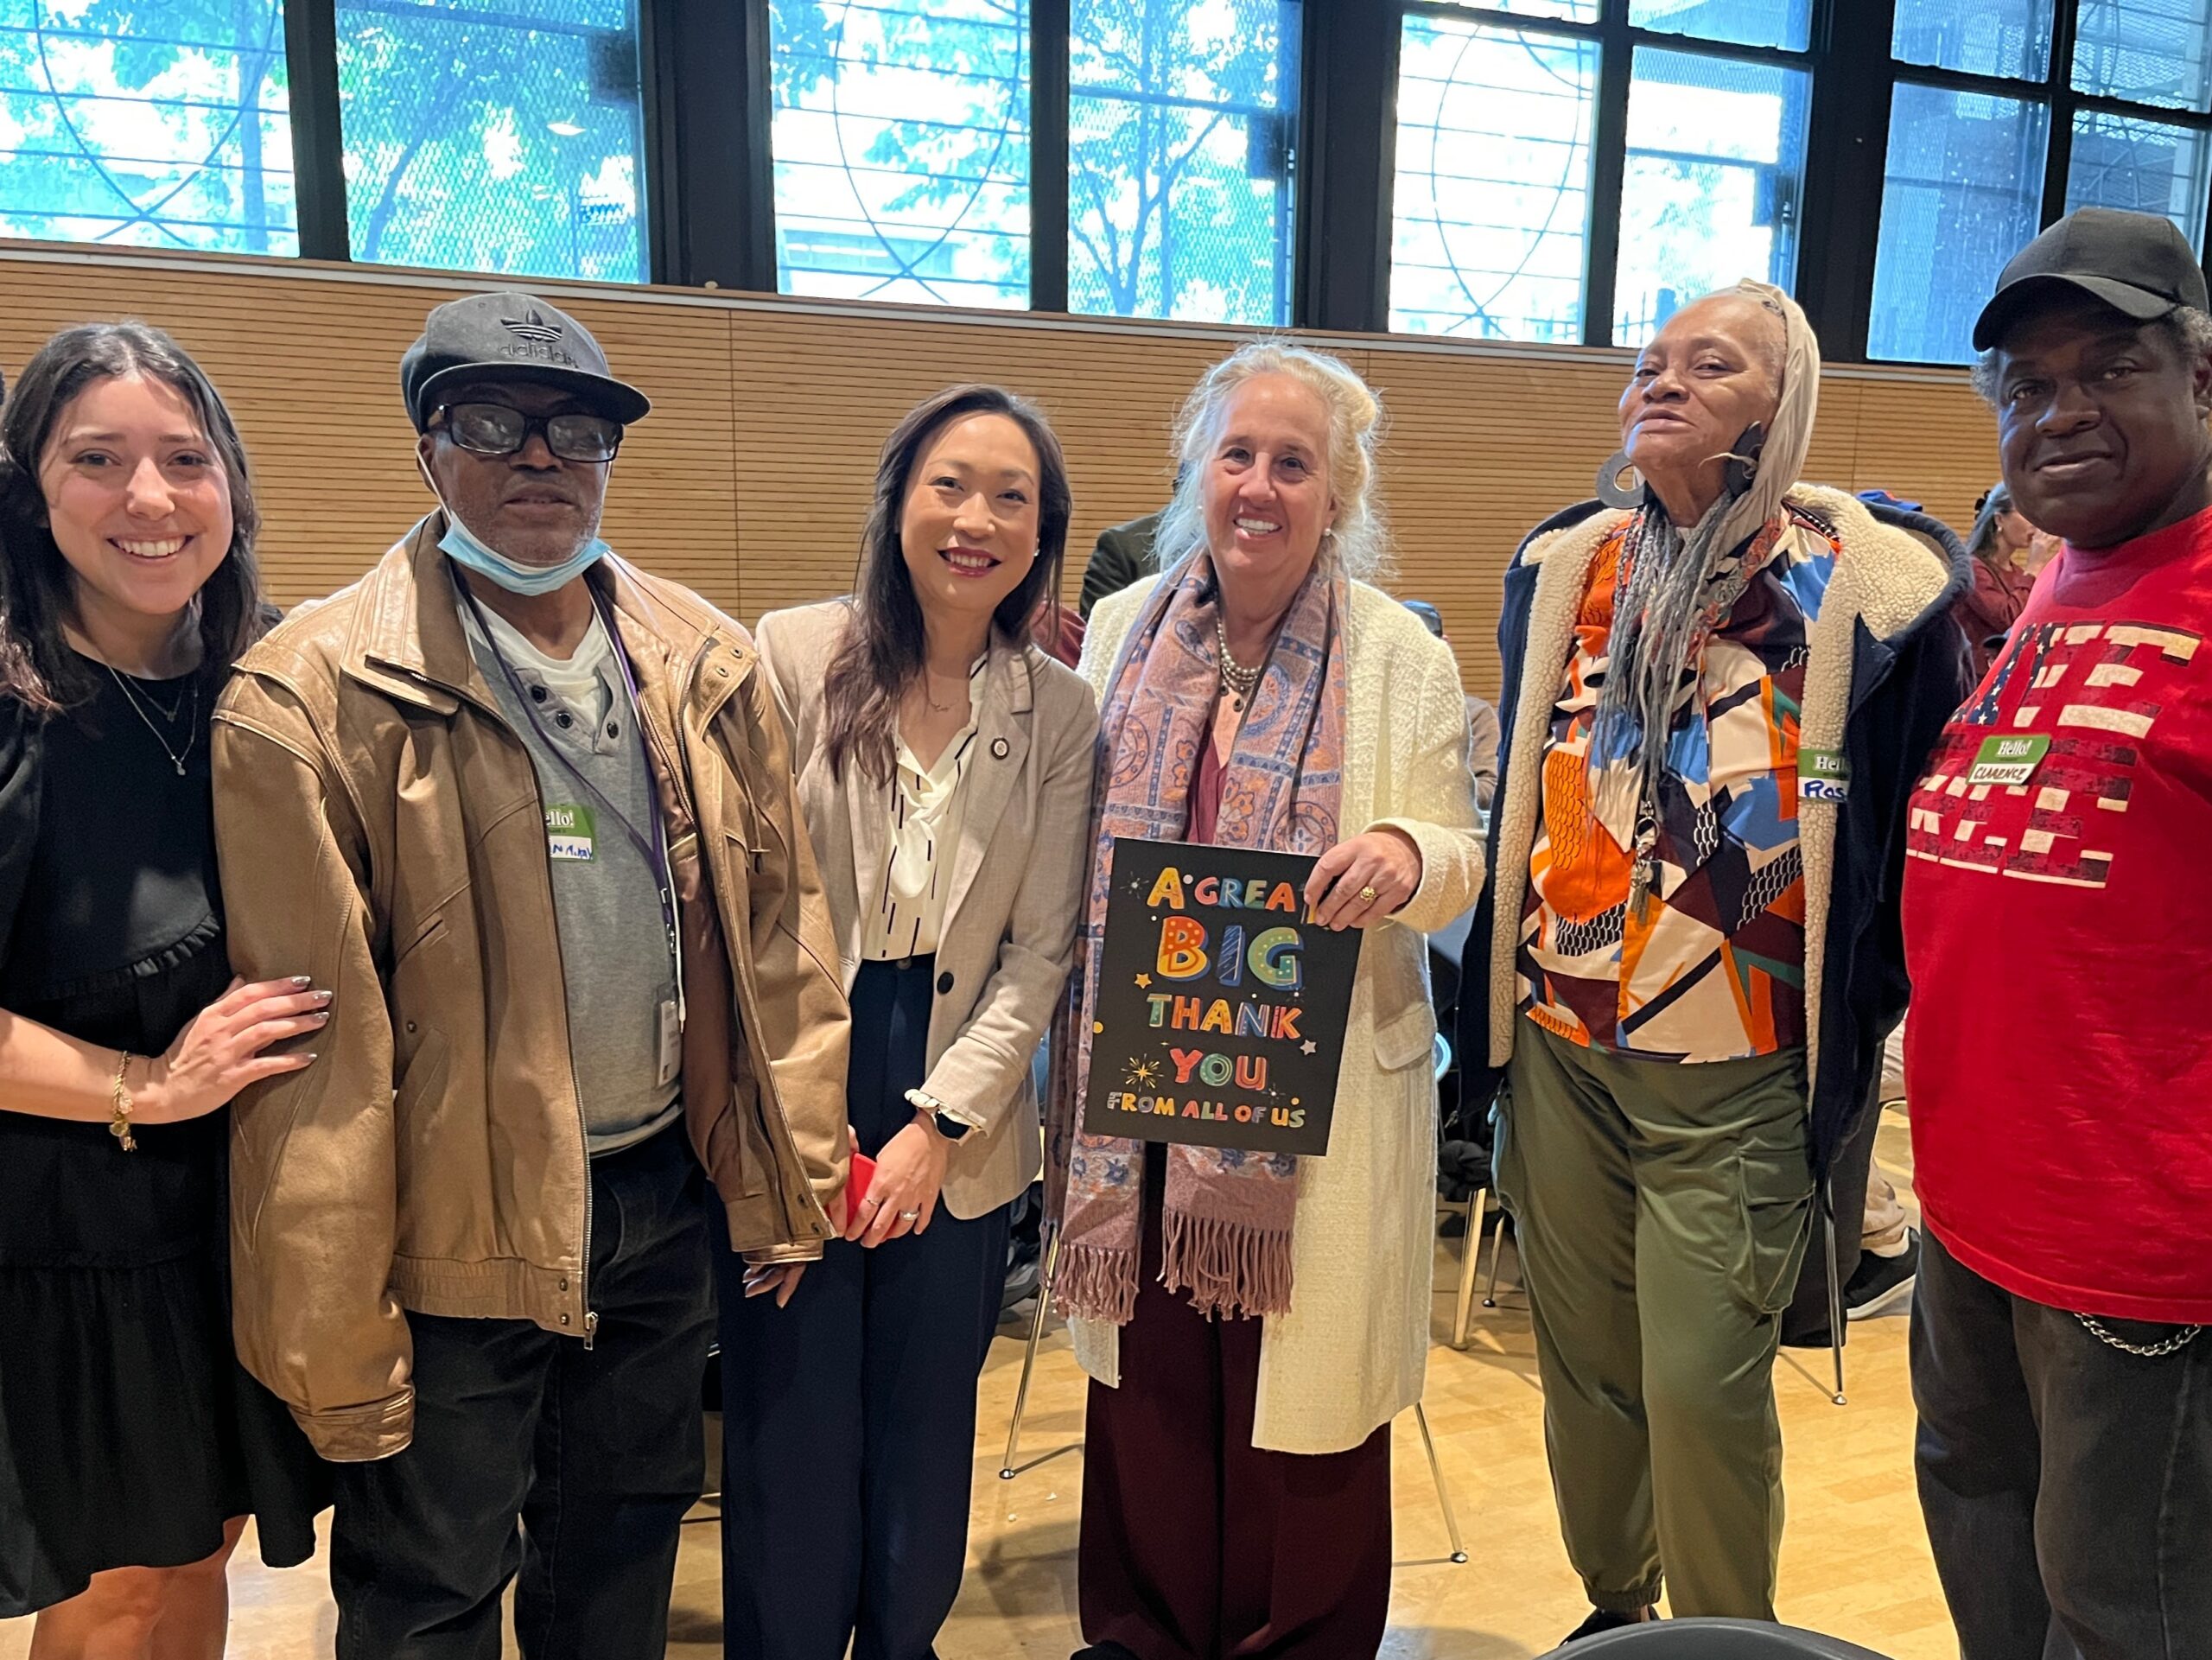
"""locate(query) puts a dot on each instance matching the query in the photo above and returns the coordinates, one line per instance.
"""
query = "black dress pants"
(848, 1417)
(2067, 1483)
(596, 1453)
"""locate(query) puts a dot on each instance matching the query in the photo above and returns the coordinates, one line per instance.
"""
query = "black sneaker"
(1605, 1619)
(1882, 1284)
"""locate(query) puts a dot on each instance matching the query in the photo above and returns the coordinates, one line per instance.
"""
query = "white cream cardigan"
(1350, 1354)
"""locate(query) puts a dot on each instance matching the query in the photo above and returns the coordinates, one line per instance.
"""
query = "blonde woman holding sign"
(1252, 1322)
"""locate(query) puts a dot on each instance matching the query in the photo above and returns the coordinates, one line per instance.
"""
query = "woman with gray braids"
(1720, 683)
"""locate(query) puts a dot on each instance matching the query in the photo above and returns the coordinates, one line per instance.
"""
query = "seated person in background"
(1124, 553)
(1482, 718)
(2007, 552)
(2062, 1107)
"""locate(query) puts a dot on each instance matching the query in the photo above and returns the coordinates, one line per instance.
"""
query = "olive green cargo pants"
(1663, 1212)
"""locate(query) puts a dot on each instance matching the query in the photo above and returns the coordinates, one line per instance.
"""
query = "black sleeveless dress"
(129, 1434)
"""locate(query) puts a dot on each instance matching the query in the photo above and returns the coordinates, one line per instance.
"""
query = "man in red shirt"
(2058, 929)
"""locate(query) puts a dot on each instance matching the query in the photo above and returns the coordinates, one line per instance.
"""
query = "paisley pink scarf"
(1227, 1213)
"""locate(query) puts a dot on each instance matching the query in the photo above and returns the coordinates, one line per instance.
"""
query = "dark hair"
(37, 588)
(883, 648)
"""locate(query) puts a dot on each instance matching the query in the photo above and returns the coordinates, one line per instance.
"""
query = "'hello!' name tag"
(2008, 761)
(567, 831)
(1822, 775)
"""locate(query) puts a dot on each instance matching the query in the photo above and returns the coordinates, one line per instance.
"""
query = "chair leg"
(1496, 1258)
(1029, 1358)
(1835, 1288)
(1471, 1254)
(1443, 1497)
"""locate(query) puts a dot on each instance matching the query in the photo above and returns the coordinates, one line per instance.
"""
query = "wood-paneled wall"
(750, 479)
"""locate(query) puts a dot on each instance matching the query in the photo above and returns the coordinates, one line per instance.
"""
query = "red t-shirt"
(2058, 1058)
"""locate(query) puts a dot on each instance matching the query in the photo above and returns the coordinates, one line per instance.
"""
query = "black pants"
(598, 1453)
(1851, 1173)
(2067, 1483)
(848, 1418)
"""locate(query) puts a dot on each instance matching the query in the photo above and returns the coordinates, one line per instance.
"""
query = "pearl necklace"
(1241, 680)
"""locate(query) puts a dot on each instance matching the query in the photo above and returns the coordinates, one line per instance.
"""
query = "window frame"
(2055, 93)
(709, 180)
(1617, 41)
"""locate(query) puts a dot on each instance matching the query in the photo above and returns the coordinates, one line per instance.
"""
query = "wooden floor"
(1854, 1561)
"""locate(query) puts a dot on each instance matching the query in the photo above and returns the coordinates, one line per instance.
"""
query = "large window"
(494, 134)
(1493, 195)
(1506, 225)
(1710, 189)
(126, 123)
(901, 139)
(1182, 122)
(2006, 138)
(1563, 173)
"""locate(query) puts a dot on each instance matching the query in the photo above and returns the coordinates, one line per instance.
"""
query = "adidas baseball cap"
(512, 336)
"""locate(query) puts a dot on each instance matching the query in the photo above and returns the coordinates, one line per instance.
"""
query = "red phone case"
(856, 1184)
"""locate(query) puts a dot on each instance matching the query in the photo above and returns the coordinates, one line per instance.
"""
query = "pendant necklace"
(176, 756)
(1241, 680)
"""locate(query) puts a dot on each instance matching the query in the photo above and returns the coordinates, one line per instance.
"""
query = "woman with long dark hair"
(944, 767)
(132, 1446)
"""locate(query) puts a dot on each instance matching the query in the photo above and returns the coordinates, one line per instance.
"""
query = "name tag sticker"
(2008, 760)
(1822, 775)
(671, 1041)
(567, 831)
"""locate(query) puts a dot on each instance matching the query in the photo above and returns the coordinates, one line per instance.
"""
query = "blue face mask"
(466, 548)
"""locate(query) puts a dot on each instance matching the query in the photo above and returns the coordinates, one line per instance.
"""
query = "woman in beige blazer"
(945, 768)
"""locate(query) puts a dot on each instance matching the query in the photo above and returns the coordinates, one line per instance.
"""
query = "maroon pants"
(1195, 1544)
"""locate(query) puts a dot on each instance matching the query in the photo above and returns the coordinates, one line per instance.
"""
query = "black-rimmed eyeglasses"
(495, 429)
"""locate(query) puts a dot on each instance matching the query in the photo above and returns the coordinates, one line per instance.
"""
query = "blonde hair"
(1359, 539)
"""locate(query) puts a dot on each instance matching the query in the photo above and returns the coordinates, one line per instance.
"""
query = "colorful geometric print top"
(1711, 965)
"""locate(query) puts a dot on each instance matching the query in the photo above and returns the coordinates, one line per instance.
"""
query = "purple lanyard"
(653, 851)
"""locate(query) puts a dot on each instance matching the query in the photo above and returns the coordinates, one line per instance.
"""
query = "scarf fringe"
(1231, 1269)
(1095, 1282)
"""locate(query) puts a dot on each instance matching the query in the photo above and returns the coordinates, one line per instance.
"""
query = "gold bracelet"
(121, 1128)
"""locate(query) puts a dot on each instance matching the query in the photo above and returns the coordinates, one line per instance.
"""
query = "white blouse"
(905, 900)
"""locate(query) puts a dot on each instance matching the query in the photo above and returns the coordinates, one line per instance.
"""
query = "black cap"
(511, 336)
(2137, 263)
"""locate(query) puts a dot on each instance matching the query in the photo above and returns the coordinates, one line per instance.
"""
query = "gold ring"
(1367, 895)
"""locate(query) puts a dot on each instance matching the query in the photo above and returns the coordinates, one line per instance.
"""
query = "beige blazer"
(1009, 920)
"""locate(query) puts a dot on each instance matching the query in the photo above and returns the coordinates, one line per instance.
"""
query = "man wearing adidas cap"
(2062, 1107)
(530, 810)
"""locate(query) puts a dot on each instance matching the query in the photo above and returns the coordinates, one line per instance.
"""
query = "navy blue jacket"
(1904, 689)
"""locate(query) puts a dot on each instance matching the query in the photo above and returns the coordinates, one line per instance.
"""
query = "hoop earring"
(1619, 483)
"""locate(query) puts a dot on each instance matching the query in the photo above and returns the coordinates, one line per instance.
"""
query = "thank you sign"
(1222, 1004)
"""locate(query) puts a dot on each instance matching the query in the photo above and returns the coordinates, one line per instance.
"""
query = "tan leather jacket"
(381, 828)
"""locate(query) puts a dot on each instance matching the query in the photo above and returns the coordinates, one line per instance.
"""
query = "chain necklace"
(1241, 680)
(176, 756)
